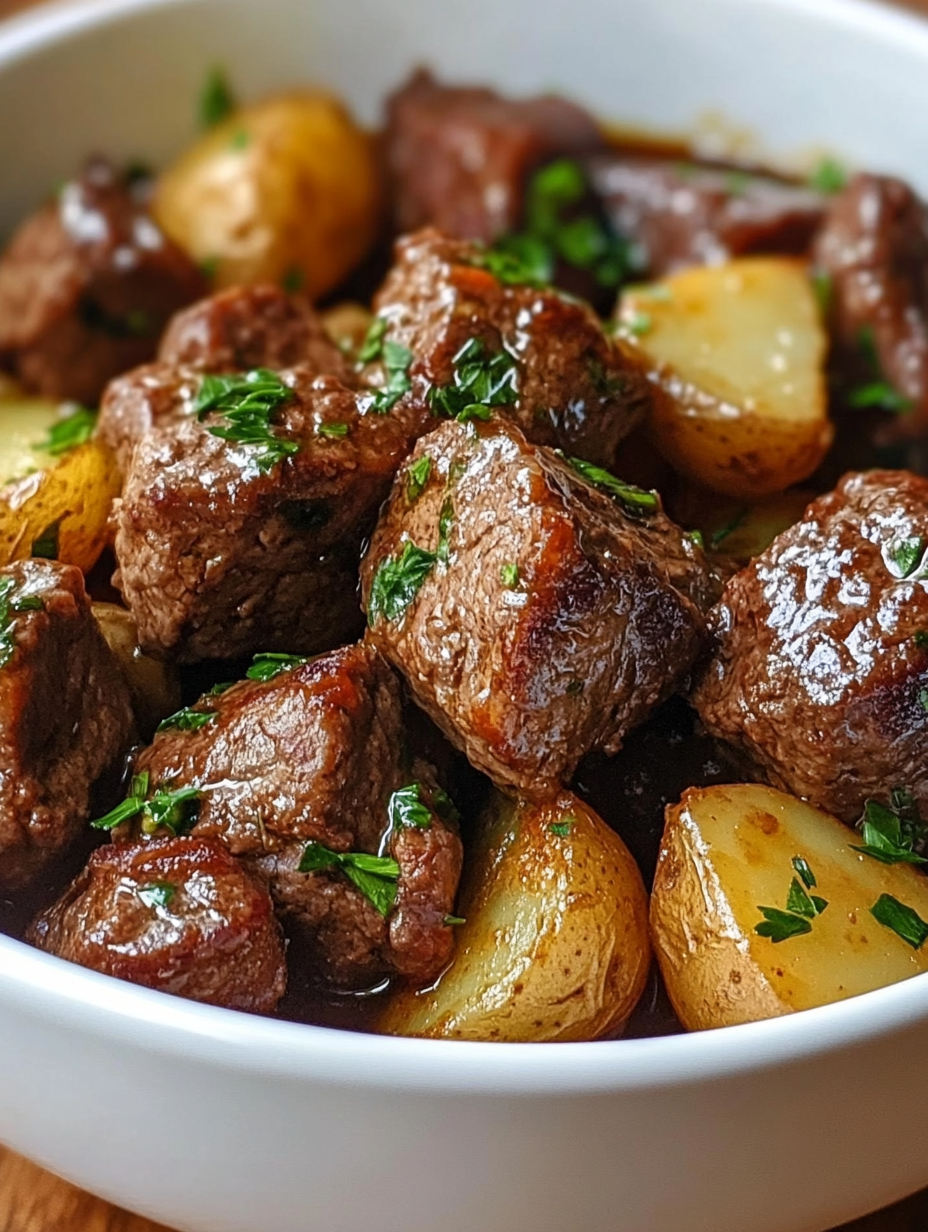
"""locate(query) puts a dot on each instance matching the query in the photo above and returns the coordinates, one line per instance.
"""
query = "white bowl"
(217, 1122)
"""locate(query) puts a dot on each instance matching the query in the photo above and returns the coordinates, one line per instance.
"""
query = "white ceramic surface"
(217, 1122)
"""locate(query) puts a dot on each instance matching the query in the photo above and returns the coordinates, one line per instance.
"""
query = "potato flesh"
(737, 354)
(154, 686)
(24, 422)
(555, 943)
(727, 851)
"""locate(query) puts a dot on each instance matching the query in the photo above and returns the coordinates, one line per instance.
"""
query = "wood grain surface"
(32, 1200)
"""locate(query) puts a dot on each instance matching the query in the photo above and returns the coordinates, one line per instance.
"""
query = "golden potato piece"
(283, 191)
(154, 686)
(727, 851)
(347, 325)
(52, 503)
(737, 355)
(735, 529)
(555, 943)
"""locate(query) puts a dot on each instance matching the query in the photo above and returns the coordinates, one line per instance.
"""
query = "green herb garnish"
(719, 536)
(397, 360)
(377, 877)
(293, 280)
(445, 525)
(638, 323)
(901, 919)
(828, 177)
(480, 382)
(12, 605)
(635, 501)
(892, 832)
(372, 346)
(562, 828)
(187, 719)
(801, 908)
(509, 575)
(67, 433)
(905, 555)
(397, 582)
(805, 873)
(452, 920)
(175, 810)
(824, 288)
(217, 101)
(332, 429)
(46, 546)
(268, 666)
(781, 925)
(518, 260)
(879, 395)
(247, 402)
(417, 476)
(800, 902)
(406, 808)
(241, 140)
(156, 893)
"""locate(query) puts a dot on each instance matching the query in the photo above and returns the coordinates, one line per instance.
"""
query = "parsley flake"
(12, 605)
(881, 396)
(247, 402)
(332, 429)
(397, 582)
(452, 920)
(480, 382)
(175, 810)
(805, 873)
(718, 537)
(828, 177)
(46, 547)
(509, 575)
(781, 925)
(901, 919)
(445, 525)
(397, 360)
(372, 346)
(891, 833)
(638, 323)
(377, 877)
(417, 476)
(156, 893)
(635, 501)
(904, 555)
(68, 432)
(294, 280)
(824, 288)
(800, 902)
(406, 808)
(518, 260)
(217, 102)
(801, 908)
(187, 719)
(266, 667)
(562, 828)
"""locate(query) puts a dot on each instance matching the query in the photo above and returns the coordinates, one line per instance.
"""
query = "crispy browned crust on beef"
(577, 389)
(87, 284)
(602, 624)
(214, 938)
(65, 717)
(817, 678)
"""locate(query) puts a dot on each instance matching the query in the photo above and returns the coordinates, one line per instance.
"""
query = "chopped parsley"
(737, 182)
(480, 382)
(805, 873)
(12, 605)
(46, 547)
(638, 323)
(175, 810)
(187, 719)
(901, 919)
(562, 828)
(247, 402)
(781, 925)
(217, 102)
(891, 833)
(268, 666)
(445, 525)
(417, 476)
(635, 501)
(156, 893)
(293, 280)
(828, 177)
(451, 920)
(377, 877)
(801, 907)
(800, 902)
(718, 537)
(518, 260)
(509, 575)
(406, 808)
(332, 429)
(824, 288)
(397, 360)
(69, 432)
(904, 555)
(879, 395)
(696, 538)
(397, 582)
(923, 699)
(372, 346)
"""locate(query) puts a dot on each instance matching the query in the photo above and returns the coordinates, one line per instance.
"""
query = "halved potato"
(734, 528)
(555, 943)
(727, 851)
(154, 686)
(55, 505)
(284, 191)
(737, 356)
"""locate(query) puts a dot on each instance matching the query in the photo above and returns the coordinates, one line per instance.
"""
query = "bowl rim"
(45, 987)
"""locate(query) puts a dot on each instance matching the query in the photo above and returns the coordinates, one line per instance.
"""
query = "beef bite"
(306, 775)
(65, 714)
(819, 673)
(541, 357)
(534, 617)
(676, 215)
(874, 248)
(459, 157)
(178, 914)
(87, 284)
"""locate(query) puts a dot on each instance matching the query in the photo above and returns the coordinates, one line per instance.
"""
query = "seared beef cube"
(874, 247)
(234, 331)
(227, 547)
(311, 759)
(555, 372)
(459, 157)
(65, 714)
(86, 286)
(819, 674)
(535, 618)
(177, 914)
(675, 215)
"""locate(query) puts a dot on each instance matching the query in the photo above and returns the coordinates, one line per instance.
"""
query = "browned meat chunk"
(234, 331)
(227, 547)
(535, 618)
(178, 914)
(65, 714)
(86, 287)
(676, 215)
(459, 157)
(306, 765)
(819, 675)
(874, 246)
(546, 359)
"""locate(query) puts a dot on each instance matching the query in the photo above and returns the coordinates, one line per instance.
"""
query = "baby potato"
(737, 354)
(154, 686)
(52, 502)
(729, 851)
(555, 940)
(284, 191)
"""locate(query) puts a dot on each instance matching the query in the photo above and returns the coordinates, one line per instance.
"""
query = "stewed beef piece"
(534, 617)
(178, 914)
(539, 356)
(65, 714)
(87, 284)
(309, 761)
(819, 672)
(459, 157)
(874, 247)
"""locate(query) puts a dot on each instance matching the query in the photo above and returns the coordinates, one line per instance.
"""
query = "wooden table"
(32, 1200)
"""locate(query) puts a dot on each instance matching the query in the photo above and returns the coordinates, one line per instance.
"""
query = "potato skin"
(286, 190)
(726, 851)
(555, 945)
(154, 686)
